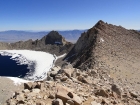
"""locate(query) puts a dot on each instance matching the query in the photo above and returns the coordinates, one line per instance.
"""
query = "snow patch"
(56, 42)
(61, 56)
(101, 40)
(17, 81)
(38, 62)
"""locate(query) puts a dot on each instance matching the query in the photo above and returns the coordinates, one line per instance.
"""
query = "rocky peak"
(55, 38)
(99, 23)
(109, 48)
(102, 39)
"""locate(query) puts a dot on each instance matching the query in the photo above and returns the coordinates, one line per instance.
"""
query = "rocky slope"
(109, 48)
(70, 86)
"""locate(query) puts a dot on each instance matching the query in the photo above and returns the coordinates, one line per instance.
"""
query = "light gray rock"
(95, 103)
(26, 91)
(53, 73)
(35, 90)
(68, 72)
(20, 97)
(66, 66)
(56, 68)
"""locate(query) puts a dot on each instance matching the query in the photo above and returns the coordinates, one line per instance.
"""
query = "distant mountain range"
(14, 35)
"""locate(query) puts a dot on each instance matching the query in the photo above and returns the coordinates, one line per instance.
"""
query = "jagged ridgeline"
(53, 43)
(109, 48)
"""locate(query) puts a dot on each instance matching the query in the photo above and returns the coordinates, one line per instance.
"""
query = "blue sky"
(40, 15)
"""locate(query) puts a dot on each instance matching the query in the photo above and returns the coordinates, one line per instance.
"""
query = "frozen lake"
(31, 65)
(9, 67)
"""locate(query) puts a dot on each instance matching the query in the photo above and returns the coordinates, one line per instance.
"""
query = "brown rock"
(30, 95)
(58, 76)
(101, 92)
(133, 94)
(68, 72)
(40, 103)
(84, 80)
(76, 73)
(138, 99)
(62, 93)
(57, 102)
(70, 102)
(116, 89)
(66, 94)
(28, 85)
(64, 78)
(52, 96)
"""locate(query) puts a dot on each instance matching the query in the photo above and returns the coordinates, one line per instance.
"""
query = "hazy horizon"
(43, 30)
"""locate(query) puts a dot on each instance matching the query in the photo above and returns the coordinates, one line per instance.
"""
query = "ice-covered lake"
(35, 63)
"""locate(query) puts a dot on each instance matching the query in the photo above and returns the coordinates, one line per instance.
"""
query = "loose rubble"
(71, 86)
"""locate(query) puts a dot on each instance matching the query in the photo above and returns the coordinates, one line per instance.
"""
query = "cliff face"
(109, 47)
(4, 46)
(54, 38)
(53, 43)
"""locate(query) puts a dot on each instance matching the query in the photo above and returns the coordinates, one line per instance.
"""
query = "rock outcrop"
(53, 43)
(54, 38)
(4, 46)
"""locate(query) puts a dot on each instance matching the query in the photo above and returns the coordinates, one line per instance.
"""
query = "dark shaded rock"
(57, 102)
(116, 89)
(101, 92)
(55, 38)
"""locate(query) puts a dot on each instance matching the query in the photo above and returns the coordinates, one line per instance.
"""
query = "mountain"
(109, 48)
(14, 35)
(106, 69)
(72, 35)
(53, 43)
